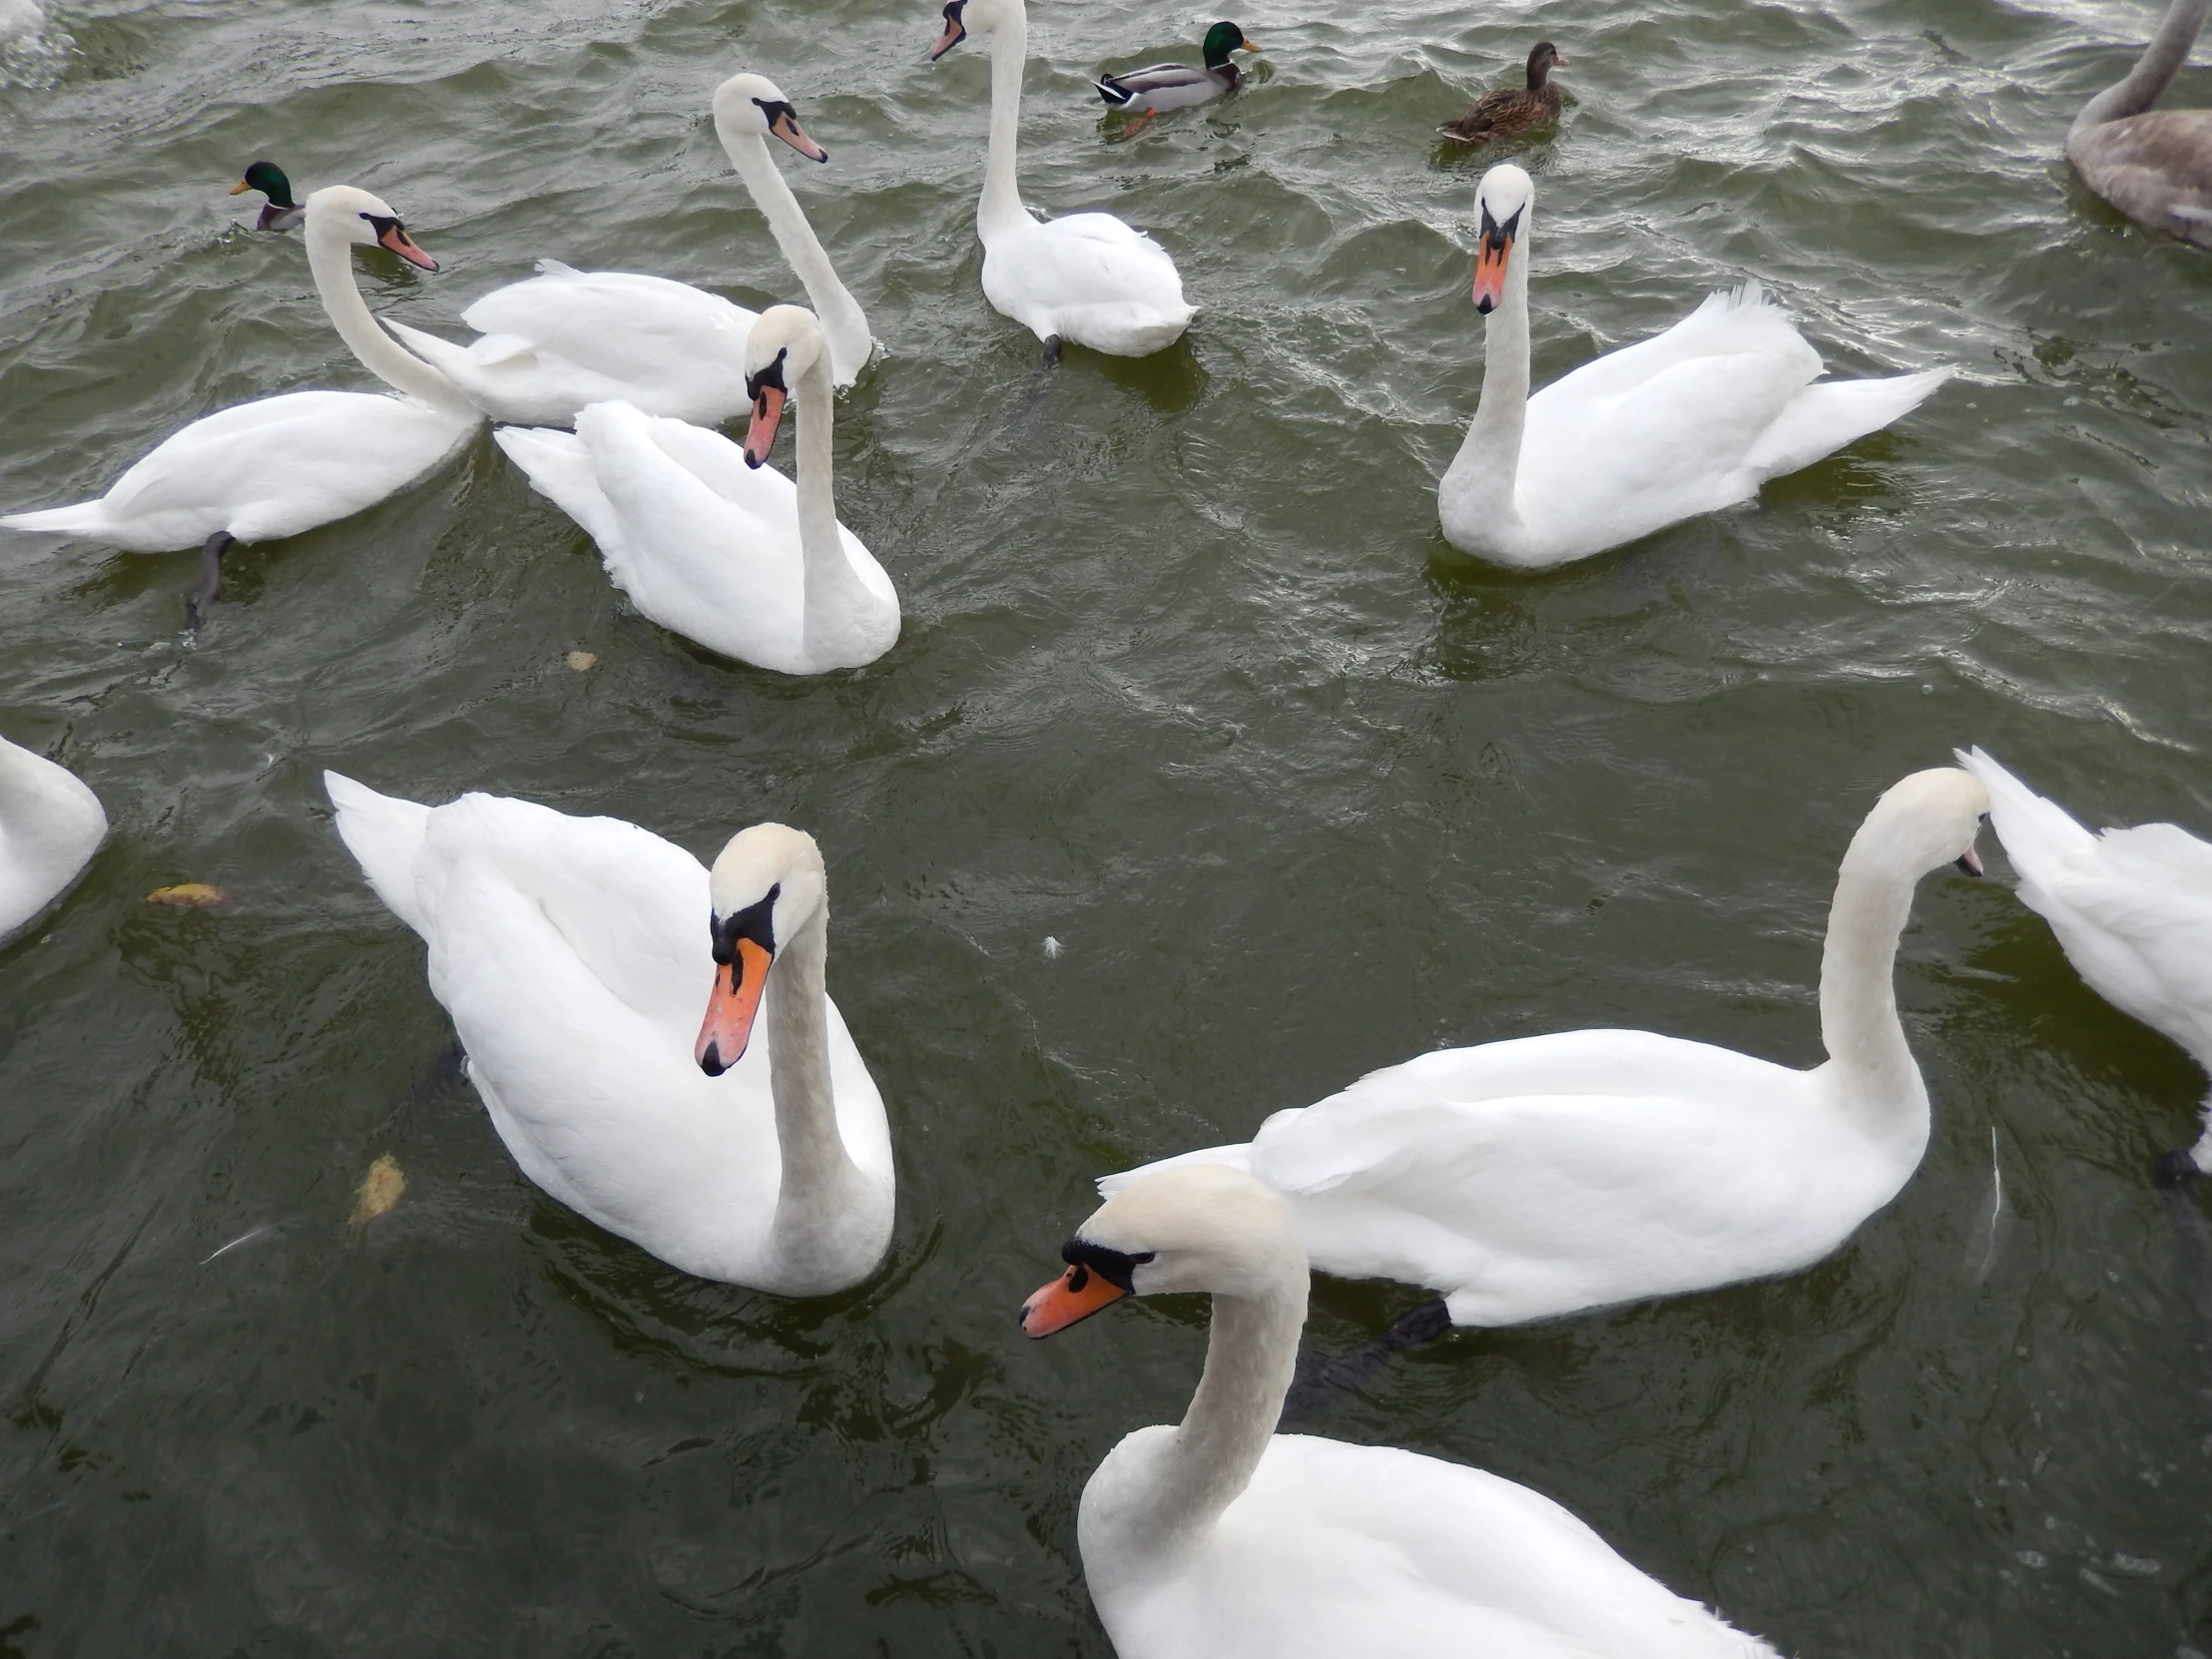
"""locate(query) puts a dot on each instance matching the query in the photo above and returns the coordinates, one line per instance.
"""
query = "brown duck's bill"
(1076, 1294)
(732, 1008)
(1489, 274)
(768, 413)
(787, 128)
(398, 239)
(954, 33)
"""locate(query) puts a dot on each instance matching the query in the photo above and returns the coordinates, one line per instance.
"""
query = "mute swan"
(281, 465)
(1177, 86)
(567, 339)
(49, 827)
(1087, 277)
(1221, 1539)
(1691, 421)
(2132, 910)
(1547, 1175)
(566, 951)
(2156, 166)
(709, 542)
(1511, 109)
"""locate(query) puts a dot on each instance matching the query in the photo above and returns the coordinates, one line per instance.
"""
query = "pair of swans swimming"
(1524, 1178)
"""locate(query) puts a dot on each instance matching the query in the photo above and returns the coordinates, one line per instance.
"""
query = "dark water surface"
(1189, 682)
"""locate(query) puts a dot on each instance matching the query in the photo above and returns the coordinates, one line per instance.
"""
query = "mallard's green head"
(1223, 39)
(280, 211)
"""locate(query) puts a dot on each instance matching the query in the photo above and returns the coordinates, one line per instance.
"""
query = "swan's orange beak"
(731, 1008)
(954, 33)
(787, 128)
(1970, 861)
(1490, 271)
(398, 239)
(1075, 1294)
(759, 437)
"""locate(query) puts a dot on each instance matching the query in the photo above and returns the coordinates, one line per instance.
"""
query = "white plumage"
(51, 824)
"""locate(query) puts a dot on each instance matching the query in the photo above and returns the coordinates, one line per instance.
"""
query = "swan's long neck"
(834, 592)
(1488, 462)
(1001, 206)
(1250, 1358)
(827, 296)
(1859, 1007)
(330, 260)
(2162, 59)
(822, 1188)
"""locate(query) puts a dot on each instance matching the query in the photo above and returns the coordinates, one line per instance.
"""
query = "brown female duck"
(1511, 109)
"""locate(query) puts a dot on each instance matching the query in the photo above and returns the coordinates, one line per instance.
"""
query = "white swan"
(568, 338)
(1689, 421)
(283, 465)
(1547, 1175)
(51, 824)
(709, 542)
(568, 952)
(2132, 910)
(1221, 1539)
(1087, 277)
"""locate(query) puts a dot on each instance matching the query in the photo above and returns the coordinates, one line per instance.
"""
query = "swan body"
(51, 824)
(710, 543)
(568, 338)
(1087, 279)
(1218, 1539)
(570, 955)
(1687, 422)
(2156, 166)
(283, 465)
(2132, 910)
(1540, 1177)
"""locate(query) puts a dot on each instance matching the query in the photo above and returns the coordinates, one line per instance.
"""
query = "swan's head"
(1197, 1227)
(1925, 822)
(365, 220)
(280, 211)
(785, 344)
(767, 884)
(962, 16)
(1503, 204)
(755, 105)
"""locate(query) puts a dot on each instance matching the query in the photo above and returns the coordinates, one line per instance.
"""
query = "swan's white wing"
(1338, 1549)
(384, 834)
(1730, 322)
(1827, 414)
(1089, 278)
(262, 470)
(51, 824)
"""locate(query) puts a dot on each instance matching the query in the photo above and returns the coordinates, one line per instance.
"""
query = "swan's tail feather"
(86, 518)
(559, 467)
(1235, 1156)
(385, 837)
(2026, 823)
(554, 268)
(1827, 414)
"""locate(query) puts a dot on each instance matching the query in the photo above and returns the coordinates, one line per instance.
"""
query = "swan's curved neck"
(833, 593)
(2162, 59)
(828, 298)
(821, 1186)
(1858, 1009)
(1250, 1357)
(1001, 206)
(1488, 463)
(330, 260)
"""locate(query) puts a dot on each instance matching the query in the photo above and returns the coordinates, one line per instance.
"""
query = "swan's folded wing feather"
(2036, 833)
(560, 468)
(1730, 322)
(385, 835)
(617, 324)
(1827, 414)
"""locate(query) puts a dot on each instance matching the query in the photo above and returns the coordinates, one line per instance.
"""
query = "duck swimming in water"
(280, 211)
(1177, 86)
(1511, 109)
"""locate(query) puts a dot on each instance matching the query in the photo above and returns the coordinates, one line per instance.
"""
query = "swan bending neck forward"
(569, 955)
(1221, 1539)
(284, 465)
(2156, 166)
(707, 541)
(51, 824)
(1687, 422)
(1539, 1177)
(1086, 279)
(568, 338)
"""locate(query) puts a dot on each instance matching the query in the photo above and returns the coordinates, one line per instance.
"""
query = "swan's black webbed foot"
(2175, 1168)
(1321, 1377)
(1051, 349)
(209, 588)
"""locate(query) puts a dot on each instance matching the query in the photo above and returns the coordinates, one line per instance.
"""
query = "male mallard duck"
(280, 211)
(1510, 108)
(1177, 86)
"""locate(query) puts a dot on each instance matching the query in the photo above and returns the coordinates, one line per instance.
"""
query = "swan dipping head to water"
(755, 105)
(1196, 1228)
(767, 887)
